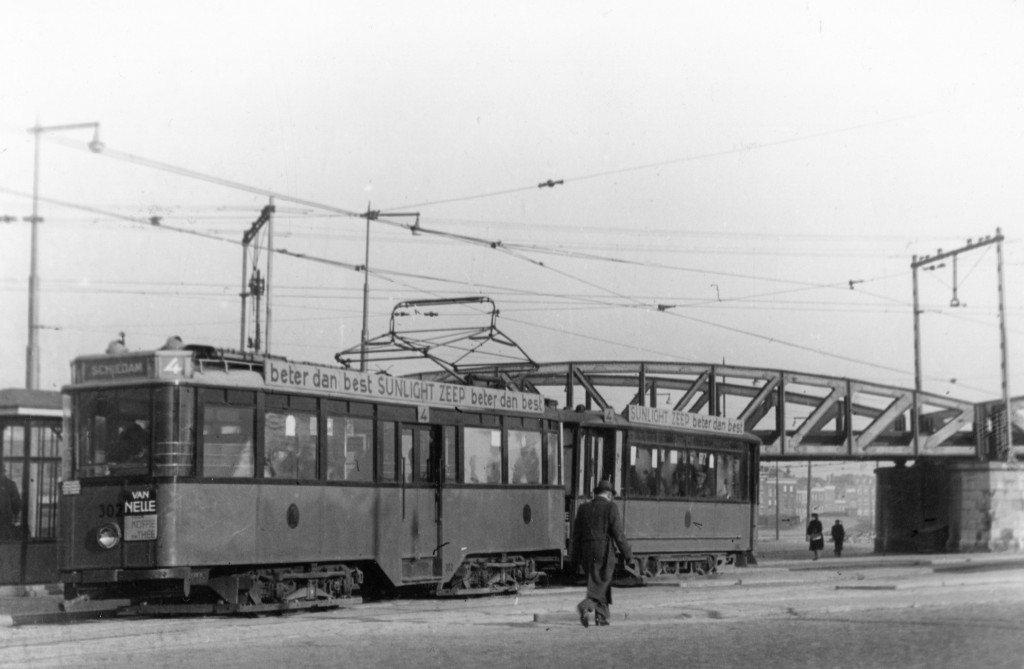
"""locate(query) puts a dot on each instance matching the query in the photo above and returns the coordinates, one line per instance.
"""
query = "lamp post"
(32, 354)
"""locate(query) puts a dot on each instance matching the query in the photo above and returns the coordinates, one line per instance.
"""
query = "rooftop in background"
(19, 401)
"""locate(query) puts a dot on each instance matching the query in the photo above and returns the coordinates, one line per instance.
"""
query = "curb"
(36, 590)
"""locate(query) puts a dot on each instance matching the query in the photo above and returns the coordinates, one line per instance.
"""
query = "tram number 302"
(109, 510)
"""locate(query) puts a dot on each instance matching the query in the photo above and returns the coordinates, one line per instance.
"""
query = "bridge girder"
(797, 416)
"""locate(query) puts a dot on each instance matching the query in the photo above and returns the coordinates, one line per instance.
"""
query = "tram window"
(570, 465)
(426, 454)
(683, 474)
(524, 457)
(172, 430)
(114, 432)
(388, 431)
(642, 475)
(552, 476)
(730, 477)
(451, 453)
(659, 480)
(672, 467)
(606, 455)
(408, 466)
(290, 442)
(742, 486)
(703, 481)
(228, 442)
(481, 455)
(349, 451)
(595, 452)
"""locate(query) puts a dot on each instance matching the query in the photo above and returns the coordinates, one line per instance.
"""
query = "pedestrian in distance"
(838, 535)
(815, 536)
(10, 507)
(596, 534)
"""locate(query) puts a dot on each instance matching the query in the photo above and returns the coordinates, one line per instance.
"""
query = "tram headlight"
(108, 536)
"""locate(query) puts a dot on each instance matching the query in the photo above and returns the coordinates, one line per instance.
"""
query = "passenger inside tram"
(702, 486)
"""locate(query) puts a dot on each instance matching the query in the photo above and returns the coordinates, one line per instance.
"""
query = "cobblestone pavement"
(878, 612)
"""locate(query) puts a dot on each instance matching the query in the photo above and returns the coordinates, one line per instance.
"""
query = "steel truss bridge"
(797, 416)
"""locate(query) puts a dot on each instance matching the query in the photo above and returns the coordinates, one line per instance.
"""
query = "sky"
(765, 172)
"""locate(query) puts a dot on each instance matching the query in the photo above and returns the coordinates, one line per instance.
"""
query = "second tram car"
(686, 485)
(198, 480)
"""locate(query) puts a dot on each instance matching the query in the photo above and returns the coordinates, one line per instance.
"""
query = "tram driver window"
(481, 455)
(114, 432)
(290, 441)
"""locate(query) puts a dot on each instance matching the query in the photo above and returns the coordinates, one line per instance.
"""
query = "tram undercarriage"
(644, 569)
(205, 591)
(492, 575)
(186, 591)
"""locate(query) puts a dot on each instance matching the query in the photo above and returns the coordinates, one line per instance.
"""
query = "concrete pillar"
(986, 507)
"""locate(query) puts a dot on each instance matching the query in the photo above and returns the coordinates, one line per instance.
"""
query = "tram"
(199, 480)
(685, 484)
(202, 480)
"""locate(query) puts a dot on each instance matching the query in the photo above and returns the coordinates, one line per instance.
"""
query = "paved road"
(876, 612)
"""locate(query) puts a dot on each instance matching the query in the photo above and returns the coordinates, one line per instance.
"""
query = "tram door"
(602, 459)
(591, 455)
(422, 471)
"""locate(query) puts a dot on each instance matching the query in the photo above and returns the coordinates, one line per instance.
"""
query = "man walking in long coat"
(838, 534)
(596, 533)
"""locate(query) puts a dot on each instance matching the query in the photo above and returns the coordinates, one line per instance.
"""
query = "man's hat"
(604, 486)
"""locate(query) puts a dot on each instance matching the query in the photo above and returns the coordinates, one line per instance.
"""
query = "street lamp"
(32, 356)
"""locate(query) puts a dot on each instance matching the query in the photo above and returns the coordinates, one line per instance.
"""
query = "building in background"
(847, 491)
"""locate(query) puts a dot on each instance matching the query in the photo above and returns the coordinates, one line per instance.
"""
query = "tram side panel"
(493, 521)
(668, 527)
(207, 524)
(281, 524)
(210, 525)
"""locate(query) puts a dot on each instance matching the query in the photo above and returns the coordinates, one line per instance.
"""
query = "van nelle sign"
(684, 419)
(382, 388)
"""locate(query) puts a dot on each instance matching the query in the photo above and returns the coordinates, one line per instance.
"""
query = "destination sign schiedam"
(382, 388)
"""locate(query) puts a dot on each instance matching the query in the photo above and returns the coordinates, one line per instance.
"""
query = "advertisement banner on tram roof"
(684, 420)
(383, 388)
